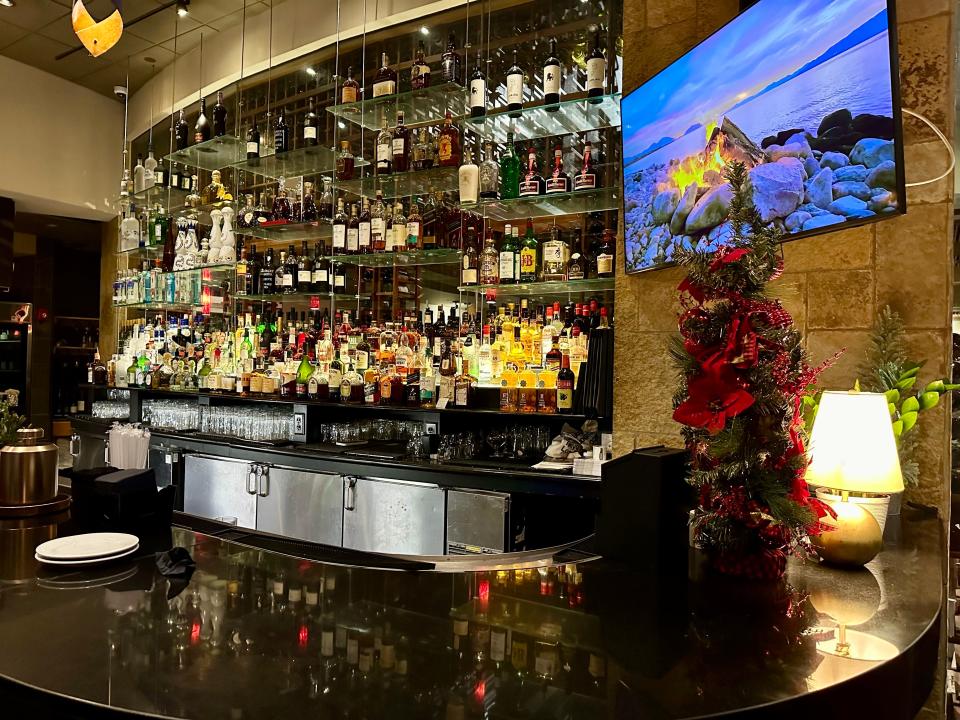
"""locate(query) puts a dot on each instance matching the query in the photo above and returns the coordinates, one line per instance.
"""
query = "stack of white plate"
(87, 549)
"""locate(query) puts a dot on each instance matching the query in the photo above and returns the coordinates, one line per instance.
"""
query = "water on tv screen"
(803, 92)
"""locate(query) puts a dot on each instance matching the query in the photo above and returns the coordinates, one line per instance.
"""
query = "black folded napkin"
(177, 566)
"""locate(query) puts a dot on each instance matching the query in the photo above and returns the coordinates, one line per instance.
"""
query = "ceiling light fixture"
(97, 37)
(183, 8)
(7, 3)
(311, 72)
(424, 30)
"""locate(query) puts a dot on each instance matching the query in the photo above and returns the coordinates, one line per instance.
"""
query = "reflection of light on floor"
(845, 653)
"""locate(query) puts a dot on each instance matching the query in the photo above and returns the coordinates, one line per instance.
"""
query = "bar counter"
(302, 630)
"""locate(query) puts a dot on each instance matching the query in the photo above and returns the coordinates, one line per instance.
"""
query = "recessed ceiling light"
(311, 72)
(183, 7)
(7, 3)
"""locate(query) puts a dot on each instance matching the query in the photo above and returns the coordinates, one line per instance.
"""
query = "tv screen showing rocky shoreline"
(802, 92)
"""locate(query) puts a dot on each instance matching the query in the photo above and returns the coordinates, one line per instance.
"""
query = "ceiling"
(34, 32)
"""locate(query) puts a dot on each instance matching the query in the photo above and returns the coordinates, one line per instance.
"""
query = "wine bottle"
(253, 140)
(182, 132)
(596, 69)
(515, 87)
(478, 90)
(551, 78)
(281, 135)
(219, 116)
(384, 149)
(385, 82)
(201, 131)
(401, 145)
(310, 126)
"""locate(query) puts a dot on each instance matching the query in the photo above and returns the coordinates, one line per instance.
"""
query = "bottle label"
(528, 261)
(462, 395)
(363, 238)
(353, 239)
(444, 147)
(384, 87)
(384, 152)
(596, 69)
(529, 187)
(326, 643)
(557, 185)
(551, 79)
(335, 378)
(468, 276)
(515, 89)
(584, 181)
(309, 132)
(478, 93)
(400, 236)
(604, 264)
(564, 395)
(507, 260)
(398, 146)
(339, 236)
(376, 228)
(320, 276)
(339, 281)
(288, 279)
(575, 272)
(446, 388)
(349, 94)
(413, 233)
(158, 231)
(370, 392)
(498, 645)
(553, 252)
(304, 276)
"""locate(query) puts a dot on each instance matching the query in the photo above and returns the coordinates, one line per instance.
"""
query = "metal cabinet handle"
(263, 483)
(75, 445)
(252, 479)
(350, 494)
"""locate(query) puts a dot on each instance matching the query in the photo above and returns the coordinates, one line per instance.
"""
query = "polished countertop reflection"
(256, 634)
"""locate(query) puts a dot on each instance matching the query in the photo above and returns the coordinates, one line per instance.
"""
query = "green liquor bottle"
(509, 171)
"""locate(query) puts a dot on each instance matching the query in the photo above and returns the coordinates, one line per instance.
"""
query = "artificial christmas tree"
(743, 375)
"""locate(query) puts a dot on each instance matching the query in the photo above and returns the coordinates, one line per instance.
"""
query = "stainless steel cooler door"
(476, 522)
(393, 517)
(302, 505)
(213, 487)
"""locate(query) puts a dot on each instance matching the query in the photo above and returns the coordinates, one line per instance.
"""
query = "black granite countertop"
(258, 634)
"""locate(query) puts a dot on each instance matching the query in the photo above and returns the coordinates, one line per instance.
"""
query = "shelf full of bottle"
(522, 360)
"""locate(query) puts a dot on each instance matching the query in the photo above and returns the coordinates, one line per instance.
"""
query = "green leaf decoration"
(892, 395)
(892, 408)
(909, 420)
(937, 386)
(906, 383)
(911, 404)
(929, 400)
(897, 428)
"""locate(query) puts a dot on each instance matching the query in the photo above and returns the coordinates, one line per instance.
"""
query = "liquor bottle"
(552, 71)
(565, 383)
(385, 81)
(281, 134)
(547, 390)
(279, 285)
(175, 176)
(339, 277)
(463, 384)
(586, 179)
(509, 380)
(422, 151)
(414, 226)
(353, 231)
(528, 255)
(398, 238)
(450, 61)
(149, 168)
(509, 258)
(182, 132)
(558, 181)
(325, 206)
(321, 272)
(304, 373)
(364, 229)
(509, 171)
(605, 255)
(527, 387)
(428, 381)
(310, 126)
(401, 145)
(304, 270)
(339, 229)
(515, 87)
(308, 208)
(448, 374)
(419, 71)
(471, 258)
(160, 177)
(138, 175)
(490, 261)
(448, 143)
(351, 386)
(532, 182)
(219, 116)
(555, 256)
(378, 240)
(469, 179)
(576, 265)
(266, 273)
(201, 131)
(384, 149)
(350, 90)
(478, 90)
(596, 69)
(489, 173)
(253, 140)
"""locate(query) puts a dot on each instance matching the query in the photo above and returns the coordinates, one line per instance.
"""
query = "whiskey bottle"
(364, 229)
(385, 81)
(509, 171)
(281, 134)
(471, 258)
(559, 181)
(401, 145)
(478, 90)
(182, 132)
(605, 255)
(586, 179)
(253, 140)
(384, 149)
(515, 87)
(414, 226)
(490, 261)
(304, 270)
(419, 71)
(422, 152)
(556, 255)
(378, 214)
(529, 251)
(448, 143)
(576, 265)
(353, 231)
(450, 61)
(350, 90)
(509, 258)
(321, 271)
(219, 116)
(489, 173)
(532, 182)
(596, 69)
(289, 272)
(448, 373)
(398, 242)
(308, 212)
(527, 385)
(469, 179)
(339, 230)
(325, 206)
(552, 71)
(345, 162)
(267, 273)
(565, 383)
(310, 126)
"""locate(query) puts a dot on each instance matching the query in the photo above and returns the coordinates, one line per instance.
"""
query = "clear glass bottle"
(489, 173)
(489, 261)
(422, 151)
(555, 256)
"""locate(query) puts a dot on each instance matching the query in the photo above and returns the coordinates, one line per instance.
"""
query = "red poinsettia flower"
(726, 255)
(741, 348)
(713, 398)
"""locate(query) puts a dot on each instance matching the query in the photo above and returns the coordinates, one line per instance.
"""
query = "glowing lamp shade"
(852, 447)
(97, 37)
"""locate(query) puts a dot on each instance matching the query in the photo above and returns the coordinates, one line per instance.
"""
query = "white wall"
(299, 27)
(62, 144)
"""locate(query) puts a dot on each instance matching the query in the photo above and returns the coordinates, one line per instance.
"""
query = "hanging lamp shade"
(97, 37)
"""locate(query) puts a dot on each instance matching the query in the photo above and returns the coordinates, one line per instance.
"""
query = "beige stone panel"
(667, 12)
(791, 291)
(925, 75)
(634, 21)
(908, 10)
(646, 53)
(925, 161)
(713, 14)
(840, 299)
(851, 248)
(822, 344)
(656, 299)
(934, 484)
(933, 348)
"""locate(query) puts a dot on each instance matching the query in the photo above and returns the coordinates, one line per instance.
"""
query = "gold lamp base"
(855, 537)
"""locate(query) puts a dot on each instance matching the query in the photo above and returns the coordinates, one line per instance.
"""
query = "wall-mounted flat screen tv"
(805, 92)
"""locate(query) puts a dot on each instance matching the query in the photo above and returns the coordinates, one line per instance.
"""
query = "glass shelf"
(171, 307)
(315, 160)
(438, 256)
(165, 196)
(289, 233)
(549, 287)
(407, 184)
(147, 251)
(428, 105)
(214, 154)
(219, 269)
(573, 116)
(571, 203)
(321, 297)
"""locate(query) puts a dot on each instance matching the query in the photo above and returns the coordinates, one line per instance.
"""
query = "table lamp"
(852, 450)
